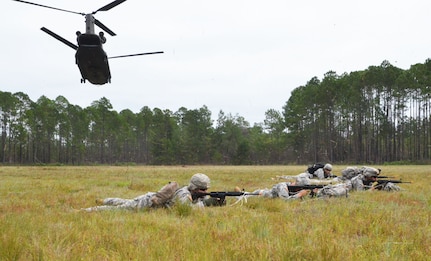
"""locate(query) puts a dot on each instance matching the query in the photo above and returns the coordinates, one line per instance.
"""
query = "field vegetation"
(40, 217)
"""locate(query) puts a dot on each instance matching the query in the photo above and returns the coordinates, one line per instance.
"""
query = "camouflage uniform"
(389, 186)
(350, 172)
(338, 190)
(280, 190)
(303, 179)
(182, 195)
(120, 203)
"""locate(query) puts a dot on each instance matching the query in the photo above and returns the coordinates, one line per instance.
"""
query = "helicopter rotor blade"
(58, 9)
(109, 6)
(103, 27)
(61, 39)
(129, 55)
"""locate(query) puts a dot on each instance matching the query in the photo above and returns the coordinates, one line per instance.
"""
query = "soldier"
(364, 178)
(323, 173)
(317, 174)
(165, 197)
(281, 190)
(360, 178)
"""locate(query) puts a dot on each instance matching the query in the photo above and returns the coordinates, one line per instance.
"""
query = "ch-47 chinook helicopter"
(90, 57)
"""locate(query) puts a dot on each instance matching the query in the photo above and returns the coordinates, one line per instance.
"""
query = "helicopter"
(90, 57)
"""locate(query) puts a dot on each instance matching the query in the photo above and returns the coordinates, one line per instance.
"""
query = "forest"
(378, 115)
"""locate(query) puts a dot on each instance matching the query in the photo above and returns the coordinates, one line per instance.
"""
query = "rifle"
(384, 181)
(220, 196)
(381, 183)
(293, 189)
(385, 177)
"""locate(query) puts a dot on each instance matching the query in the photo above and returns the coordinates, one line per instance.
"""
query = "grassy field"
(39, 218)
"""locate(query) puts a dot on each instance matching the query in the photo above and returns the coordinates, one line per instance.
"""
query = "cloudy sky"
(241, 57)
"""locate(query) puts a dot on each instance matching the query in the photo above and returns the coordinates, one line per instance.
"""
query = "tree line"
(378, 115)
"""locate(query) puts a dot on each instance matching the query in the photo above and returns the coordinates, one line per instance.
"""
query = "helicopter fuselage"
(90, 57)
(92, 60)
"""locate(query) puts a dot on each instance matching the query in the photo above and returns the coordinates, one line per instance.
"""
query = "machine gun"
(381, 183)
(384, 181)
(293, 189)
(219, 197)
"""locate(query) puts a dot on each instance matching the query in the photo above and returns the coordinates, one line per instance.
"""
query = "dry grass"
(39, 221)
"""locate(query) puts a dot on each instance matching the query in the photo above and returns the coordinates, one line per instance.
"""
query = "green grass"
(39, 218)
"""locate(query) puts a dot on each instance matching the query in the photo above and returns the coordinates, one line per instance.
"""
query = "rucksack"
(164, 194)
(312, 168)
(351, 172)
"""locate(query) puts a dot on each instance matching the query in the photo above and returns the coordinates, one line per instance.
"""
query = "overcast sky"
(242, 57)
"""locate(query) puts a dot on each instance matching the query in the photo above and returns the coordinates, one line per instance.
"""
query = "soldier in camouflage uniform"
(165, 197)
(364, 179)
(281, 190)
(360, 178)
(320, 176)
(323, 173)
